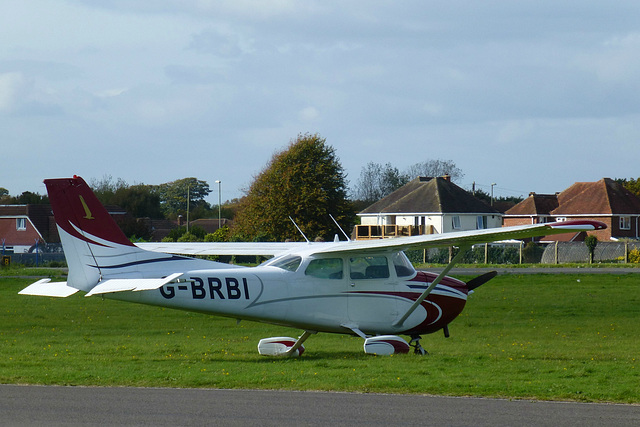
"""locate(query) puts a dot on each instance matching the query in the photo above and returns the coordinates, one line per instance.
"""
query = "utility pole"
(219, 202)
(188, 197)
(492, 184)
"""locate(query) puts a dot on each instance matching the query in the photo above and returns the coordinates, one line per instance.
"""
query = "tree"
(631, 184)
(141, 201)
(591, 242)
(29, 198)
(378, 181)
(105, 189)
(173, 196)
(435, 168)
(307, 182)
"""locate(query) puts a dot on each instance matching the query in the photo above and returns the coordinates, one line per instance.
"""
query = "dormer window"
(21, 224)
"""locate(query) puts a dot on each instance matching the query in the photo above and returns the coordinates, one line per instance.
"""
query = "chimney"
(447, 177)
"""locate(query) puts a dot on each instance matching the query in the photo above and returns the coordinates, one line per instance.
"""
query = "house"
(426, 205)
(22, 226)
(605, 200)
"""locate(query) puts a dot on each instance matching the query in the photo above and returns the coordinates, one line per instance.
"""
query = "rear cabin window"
(369, 267)
(325, 268)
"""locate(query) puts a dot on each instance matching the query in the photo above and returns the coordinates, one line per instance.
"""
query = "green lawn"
(561, 337)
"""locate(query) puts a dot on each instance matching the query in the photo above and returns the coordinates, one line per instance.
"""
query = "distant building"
(22, 226)
(426, 206)
(605, 200)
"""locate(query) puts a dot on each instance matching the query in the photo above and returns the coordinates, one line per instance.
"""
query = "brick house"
(426, 206)
(21, 226)
(605, 200)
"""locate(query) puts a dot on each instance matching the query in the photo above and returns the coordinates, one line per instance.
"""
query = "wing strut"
(433, 284)
(298, 343)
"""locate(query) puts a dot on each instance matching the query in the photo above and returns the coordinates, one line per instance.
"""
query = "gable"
(14, 237)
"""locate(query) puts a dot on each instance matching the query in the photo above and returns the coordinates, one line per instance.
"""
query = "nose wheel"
(417, 348)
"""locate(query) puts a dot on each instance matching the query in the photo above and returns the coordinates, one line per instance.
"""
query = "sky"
(529, 95)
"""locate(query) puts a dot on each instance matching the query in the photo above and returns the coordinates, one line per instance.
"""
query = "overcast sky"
(530, 95)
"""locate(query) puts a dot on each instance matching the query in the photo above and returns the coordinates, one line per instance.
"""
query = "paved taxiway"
(107, 406)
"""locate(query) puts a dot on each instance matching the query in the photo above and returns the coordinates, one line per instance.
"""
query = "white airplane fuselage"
(274, 295)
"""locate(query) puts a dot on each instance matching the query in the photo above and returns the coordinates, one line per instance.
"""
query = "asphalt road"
(93, 406)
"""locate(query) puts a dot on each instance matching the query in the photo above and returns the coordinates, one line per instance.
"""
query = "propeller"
(481, 280)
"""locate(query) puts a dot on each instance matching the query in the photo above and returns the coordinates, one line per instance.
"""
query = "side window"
(369, 267)
(402, 265)
(325, 268)
(21, 224)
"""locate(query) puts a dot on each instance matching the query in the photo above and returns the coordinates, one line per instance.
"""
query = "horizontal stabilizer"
(135, 285)
(44, 288)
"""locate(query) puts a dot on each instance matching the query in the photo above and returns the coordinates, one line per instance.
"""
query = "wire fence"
(49, 254)
(550, 253)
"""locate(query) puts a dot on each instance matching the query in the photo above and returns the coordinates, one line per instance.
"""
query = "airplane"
(361, 288)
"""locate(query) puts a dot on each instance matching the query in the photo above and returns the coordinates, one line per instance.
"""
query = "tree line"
(305, 183)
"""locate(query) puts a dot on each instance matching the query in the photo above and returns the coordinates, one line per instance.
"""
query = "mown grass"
(557, 337)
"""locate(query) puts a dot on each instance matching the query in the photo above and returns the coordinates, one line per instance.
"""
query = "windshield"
(403, 265)
(287, 262)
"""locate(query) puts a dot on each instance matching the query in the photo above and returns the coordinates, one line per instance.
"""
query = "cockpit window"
(289, 263)
(325, 268)
(403, 265)
(368, 267)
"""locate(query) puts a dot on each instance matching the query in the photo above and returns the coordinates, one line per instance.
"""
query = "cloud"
(12, 91)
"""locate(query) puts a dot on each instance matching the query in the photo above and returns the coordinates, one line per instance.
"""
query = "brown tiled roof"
(429, 195)
(604, 197)
(535, 204)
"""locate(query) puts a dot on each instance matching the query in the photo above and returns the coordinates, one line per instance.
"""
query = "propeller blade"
(481, 280)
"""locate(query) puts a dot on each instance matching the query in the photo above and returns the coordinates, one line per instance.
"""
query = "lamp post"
(492, 184)
(219, 202)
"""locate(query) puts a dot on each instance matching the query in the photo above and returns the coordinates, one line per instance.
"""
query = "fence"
(551, 253)
(46, 254)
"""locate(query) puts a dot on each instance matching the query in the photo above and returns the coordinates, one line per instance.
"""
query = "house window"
(481, 222)
(21, 224)
(455, 221)
(625, 223)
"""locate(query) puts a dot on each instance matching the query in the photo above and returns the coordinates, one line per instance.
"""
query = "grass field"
(557, 337)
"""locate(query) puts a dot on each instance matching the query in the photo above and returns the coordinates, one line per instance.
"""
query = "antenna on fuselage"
(336, 222)
(294, 223)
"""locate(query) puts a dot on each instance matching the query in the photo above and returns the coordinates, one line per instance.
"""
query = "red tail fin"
(79, 212)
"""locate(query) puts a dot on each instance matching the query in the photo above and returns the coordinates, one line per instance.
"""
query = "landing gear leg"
(417, 348)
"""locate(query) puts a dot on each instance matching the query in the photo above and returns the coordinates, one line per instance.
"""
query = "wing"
(223, 248)
(461, 238)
